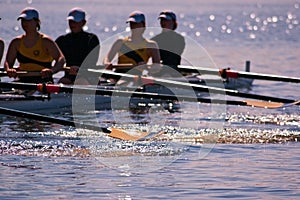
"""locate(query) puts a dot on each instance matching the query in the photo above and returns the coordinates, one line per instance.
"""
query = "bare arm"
(154, 51)
(11, 56)
(52, 48)
(112, 53)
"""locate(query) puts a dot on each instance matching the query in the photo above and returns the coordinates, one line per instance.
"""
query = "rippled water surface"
(204, 152)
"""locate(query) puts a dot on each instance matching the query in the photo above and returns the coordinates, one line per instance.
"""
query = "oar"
(228, 73)
(23, 114)
(55, 88)
(196, 87)
(21, 73)
(114, 132)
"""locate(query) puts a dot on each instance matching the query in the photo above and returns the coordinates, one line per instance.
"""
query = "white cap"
(29, 13)
(136, 16)
(76, 14)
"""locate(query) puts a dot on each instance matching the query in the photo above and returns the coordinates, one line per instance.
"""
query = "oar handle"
(115, 66)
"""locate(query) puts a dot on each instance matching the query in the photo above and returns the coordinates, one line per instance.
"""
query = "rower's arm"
(154, 52)
(112, 53)
(11, 54)
(56, 54)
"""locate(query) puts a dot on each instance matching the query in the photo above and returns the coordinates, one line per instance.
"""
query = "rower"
(171, 44)
(134, 49)
(78, 46)
(34, 51)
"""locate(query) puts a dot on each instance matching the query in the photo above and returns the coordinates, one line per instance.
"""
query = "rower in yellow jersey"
(34, 51)
(134, 49)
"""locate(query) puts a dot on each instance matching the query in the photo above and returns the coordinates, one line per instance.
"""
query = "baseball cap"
(136, 16)
(29, 13)
(76, 14)
(168, 15)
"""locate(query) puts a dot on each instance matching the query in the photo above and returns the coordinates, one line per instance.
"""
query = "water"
(253, 154)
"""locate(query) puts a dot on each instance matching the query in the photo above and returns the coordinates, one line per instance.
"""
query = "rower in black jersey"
(77, 46)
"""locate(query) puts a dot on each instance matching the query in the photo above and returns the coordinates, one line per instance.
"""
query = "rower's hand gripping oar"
(113, 132)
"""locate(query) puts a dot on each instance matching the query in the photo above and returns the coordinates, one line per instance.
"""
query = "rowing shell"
(83, 103)
(62, 102)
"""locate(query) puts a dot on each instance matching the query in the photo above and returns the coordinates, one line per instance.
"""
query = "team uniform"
(133, 53)
(171, 46)
(34, 59)
(76, 47)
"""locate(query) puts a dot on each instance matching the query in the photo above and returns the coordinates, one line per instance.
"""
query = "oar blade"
(267, 104)
(127, 135)
(264, 104)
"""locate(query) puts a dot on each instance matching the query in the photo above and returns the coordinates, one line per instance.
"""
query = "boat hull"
(67, 103)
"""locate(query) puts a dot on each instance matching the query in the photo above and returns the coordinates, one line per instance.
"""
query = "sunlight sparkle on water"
(252, 36)
(16, 28)
(106, 29)
(98, 23)
(209, 29)
(198, 34)
(151, 33)
(114, 28)
(252, 15)
(274, 19)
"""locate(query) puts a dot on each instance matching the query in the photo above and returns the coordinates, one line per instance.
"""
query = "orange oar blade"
(127, 135)
(267, 104)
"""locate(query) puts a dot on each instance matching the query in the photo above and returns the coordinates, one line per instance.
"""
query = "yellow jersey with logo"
(132, 53)
(34, 58)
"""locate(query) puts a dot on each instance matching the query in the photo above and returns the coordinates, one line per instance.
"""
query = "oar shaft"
(196, 87)
(201, 70)
(39, 117)
(34, 116)
(18, 85)
(115, 133)
(258, 76)
(21, 73)
(228, 73)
